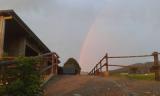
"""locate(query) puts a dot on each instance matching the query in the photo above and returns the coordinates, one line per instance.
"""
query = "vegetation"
(149, 76)
(5, 54)
(141, 76)
(133, 69)
(25, 79)
(2, 90)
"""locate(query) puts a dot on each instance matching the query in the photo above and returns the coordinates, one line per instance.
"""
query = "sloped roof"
(28, 31)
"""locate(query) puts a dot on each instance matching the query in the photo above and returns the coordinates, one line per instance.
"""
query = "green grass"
(149, 76)
(141, 76)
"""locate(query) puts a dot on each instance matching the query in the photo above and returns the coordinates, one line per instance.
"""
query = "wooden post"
(156, 66)
(100, 67)
(2, 30)
(106, 62)
(56, 66)
(52, 64)
(94, 71)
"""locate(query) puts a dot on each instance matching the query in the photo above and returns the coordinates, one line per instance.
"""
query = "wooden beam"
(9, 17)
(2, 30)
(130, 56)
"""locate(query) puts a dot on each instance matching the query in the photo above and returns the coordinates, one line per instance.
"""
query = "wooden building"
(17, 39)
(71, 67)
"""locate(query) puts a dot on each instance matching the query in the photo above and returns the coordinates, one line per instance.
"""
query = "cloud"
(119, 27)
(60, 24)
(123, 28)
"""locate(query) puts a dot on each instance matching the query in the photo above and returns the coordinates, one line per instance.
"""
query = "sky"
(88, 29)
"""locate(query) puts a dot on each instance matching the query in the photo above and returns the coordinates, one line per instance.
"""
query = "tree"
(72, 63)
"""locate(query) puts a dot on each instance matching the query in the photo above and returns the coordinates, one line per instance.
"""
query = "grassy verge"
(141, 76)
(149, 76)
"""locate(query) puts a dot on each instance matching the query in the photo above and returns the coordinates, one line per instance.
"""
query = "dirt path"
(139, 87)
(99, 86)
(84, 86)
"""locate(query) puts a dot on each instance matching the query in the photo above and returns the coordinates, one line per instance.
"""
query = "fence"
(98, 67)
(47, 66)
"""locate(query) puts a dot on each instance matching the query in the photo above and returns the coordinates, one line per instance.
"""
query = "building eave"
(28, 31)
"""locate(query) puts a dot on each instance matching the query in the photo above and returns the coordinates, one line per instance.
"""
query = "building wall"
(14, 45)
(16, 39)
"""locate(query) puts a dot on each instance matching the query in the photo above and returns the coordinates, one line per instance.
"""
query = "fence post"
(100, 69)
(52, 60)
(56, 66)
(91, 73)
(106, 62)
(1, 74)
(156, 66)
(94, 71)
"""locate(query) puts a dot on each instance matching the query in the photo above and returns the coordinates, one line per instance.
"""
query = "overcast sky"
(87, 29)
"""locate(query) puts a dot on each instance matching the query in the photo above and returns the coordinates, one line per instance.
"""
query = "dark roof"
(26, 28)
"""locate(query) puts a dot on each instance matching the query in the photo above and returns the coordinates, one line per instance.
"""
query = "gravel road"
(85, 86)
(100, 86)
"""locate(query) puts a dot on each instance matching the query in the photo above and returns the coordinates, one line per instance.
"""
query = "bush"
(2, 90)
(27, 79)
(133, 69)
